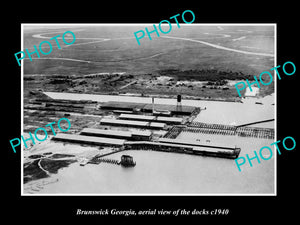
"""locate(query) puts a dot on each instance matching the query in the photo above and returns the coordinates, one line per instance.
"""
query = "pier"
(186, 148)
(256, 122)
(222, 129)
(97, 160)
(255, 132)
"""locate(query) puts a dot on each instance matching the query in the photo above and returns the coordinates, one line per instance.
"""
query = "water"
(171, 173)
(166, 173)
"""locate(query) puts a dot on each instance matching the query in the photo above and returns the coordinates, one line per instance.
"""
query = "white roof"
(116, 132)
(135, 116)
(169, 119)
(194, 143)
(154, 124)
(107, 132)
(125, 122)
(91, 139)
(141, 133)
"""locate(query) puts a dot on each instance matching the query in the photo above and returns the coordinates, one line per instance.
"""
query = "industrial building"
(133, 123)
(128, 135)
(149, 108)
(174, 109)
(169, 120)
(155, 125)
(123, 106)
(89, 139)
(141, 140)
(164, 119)
(195, 143)
(125, 123)
(136, 117)
(184, 148)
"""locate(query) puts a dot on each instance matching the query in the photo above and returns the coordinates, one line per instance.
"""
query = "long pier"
(222, 129)
(167, 145)
(97, 160)
(256, 122)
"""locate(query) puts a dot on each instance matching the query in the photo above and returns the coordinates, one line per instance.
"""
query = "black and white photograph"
(112, 112)
(141, 112)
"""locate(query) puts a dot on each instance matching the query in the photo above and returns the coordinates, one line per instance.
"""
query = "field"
(114, 48)
(189, 53)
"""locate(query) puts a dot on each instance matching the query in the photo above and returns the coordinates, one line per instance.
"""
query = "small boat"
(260, 103)
(127, 161)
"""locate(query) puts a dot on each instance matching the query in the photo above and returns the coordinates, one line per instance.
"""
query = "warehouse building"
(89, 139)
(133, 123)
(155, 125)
(195, 143)
(136, 117)
(125, 123)
(164, 119)
(144, 107)
(128, 135)
(184, 148)
(169, 120)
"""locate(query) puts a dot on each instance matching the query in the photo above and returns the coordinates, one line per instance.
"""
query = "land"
(191, 84)
(193, 69)
(40, 166)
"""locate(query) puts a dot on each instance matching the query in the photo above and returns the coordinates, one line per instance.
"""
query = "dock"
(100, 160)
(214, 151)
(256, 122)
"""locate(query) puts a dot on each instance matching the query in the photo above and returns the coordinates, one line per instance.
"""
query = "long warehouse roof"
(194, 143)
(116, 132)
(141, 133)
(136, 117)
(107, 132)
(195, 148)
(150, 118)
(133, 123)
(88, 139)
(169, 119)
(125, 122)
(159, 125)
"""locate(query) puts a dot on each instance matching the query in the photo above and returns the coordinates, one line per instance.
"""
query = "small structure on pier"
(127, 161)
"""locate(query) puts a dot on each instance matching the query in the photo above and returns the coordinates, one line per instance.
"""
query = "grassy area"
(122, 53)
(181, 59)
(32, 171)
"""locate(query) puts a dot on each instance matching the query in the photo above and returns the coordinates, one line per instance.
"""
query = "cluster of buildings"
(141, 127)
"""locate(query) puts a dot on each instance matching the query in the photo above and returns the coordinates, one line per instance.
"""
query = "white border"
(154, 194)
